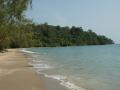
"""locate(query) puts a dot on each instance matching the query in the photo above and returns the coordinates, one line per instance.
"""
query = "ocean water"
(80, 67)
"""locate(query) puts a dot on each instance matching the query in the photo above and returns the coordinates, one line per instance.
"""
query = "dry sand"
(15, 73)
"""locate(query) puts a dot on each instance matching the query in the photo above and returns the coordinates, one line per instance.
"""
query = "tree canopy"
(49, 35)
(11, 18)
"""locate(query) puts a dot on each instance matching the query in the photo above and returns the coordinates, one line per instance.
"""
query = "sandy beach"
(15, 73)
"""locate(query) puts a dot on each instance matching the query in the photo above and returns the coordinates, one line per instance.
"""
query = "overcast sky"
(102, 16)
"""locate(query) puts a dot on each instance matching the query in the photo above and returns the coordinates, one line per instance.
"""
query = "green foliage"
(11, 11)
(48, 35)
(11, 21)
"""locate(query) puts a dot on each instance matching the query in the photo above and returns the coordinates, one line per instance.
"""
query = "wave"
(41, 66)
(63, 81)
(26, 51)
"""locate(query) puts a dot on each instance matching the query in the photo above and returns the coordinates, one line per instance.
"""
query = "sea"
(79, 67)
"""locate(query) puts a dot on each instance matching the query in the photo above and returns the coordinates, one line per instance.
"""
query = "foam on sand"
(63, 81)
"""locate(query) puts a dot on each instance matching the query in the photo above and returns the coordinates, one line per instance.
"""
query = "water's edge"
(61, 79)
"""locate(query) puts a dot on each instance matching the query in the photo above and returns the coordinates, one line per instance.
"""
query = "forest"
(49, 35)
(16, 31)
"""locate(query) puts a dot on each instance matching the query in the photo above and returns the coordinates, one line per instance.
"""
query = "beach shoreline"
(52, 82)
(17, 74)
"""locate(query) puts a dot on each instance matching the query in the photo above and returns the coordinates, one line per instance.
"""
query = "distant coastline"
(44, 35)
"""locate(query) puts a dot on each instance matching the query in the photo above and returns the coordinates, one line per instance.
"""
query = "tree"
(11, 14)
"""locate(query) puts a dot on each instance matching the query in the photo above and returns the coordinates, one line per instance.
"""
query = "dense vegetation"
(12, 23)
(16, 31)
(49, 35)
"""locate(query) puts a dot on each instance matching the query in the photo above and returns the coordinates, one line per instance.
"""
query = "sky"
(102, 16)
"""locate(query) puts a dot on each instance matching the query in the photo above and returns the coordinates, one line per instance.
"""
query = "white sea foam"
(71, 85)
(40, 66)
(26, 51)
(36, 61)
(57, 77)
(63, 81)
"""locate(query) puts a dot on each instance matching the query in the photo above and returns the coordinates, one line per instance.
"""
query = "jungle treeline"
(18, 32)
(49, 35)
